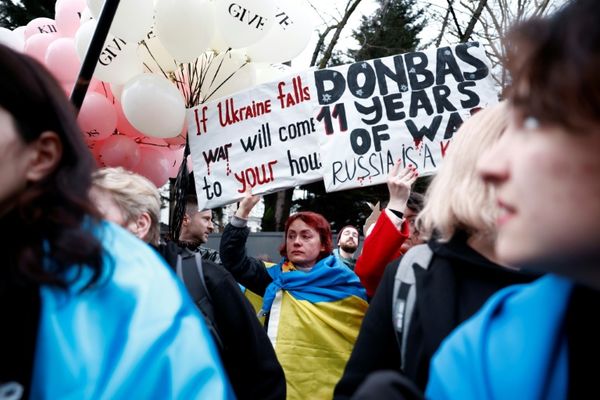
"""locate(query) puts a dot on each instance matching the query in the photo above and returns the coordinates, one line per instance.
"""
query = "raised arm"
(250, 272)
(390, 230)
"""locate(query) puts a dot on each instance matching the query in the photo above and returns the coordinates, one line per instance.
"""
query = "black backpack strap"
(191, 272)
(400, 314)
(404, 295)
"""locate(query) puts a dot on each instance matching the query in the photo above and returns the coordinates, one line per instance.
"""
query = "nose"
(492, 165)
(211, 226)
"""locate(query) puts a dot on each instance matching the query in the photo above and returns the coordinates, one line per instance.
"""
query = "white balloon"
(12, 39)
(131, 22)
(217, 44)
(244, 22)
(118, 60)
(153, 106)
(184, 27)
(288, 36)
(86, 15)
(271, 72)
(95, 7)
(154, 56)
(228, 73)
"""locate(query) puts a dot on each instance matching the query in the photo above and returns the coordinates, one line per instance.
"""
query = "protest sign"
(263, 139)
(405, 107)
(346, 125)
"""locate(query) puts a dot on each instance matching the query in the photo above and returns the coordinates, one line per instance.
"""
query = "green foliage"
(392, 30)
(18, 13)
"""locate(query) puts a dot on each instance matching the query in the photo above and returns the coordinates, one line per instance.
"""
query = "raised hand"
(247, 204)
(399, 182)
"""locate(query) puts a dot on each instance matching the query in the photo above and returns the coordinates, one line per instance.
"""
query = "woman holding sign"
(313, 302)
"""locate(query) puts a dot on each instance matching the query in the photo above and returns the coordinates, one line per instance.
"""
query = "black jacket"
(248, 271)
(248, 356)
(457, 283)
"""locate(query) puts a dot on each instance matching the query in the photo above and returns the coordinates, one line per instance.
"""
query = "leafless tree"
(485, 21)
(332, 23)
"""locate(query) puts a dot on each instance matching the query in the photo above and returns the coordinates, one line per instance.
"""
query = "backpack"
(190, 271)
(405, 293)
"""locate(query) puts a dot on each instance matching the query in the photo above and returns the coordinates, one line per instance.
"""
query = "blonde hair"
(133, 194)
(457, 198)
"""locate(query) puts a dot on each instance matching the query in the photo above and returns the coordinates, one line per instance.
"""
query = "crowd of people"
(482, 288)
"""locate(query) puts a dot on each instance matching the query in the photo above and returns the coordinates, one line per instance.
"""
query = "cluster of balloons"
(159, 58)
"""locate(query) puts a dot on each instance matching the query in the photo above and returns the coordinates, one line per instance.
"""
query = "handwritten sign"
(405, 107)
(264, 139)
(346, 125)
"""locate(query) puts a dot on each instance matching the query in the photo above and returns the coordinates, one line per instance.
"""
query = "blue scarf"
(328, 280)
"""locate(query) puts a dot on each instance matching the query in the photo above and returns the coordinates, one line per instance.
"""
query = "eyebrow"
(301, 231)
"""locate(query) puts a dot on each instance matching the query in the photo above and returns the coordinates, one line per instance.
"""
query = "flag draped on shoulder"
(314, 321)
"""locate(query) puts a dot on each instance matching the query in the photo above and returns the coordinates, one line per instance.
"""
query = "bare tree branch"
(473, 21)
(352, 4)
(443, 30)
(451, 9)
(319, 45)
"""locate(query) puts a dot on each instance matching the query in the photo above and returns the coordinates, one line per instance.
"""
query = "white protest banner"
(264, 138)
(405, 107)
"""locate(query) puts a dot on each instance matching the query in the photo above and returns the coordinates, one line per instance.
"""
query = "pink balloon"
(97, 116)
(175, 156)
(68, 16)
(152, 141)
(120, 151)
(37, 45)
(94, 149)
(92, 87)
(62, 60)
(40, 25)
(104, 89)
(176, 141)
(154, 165)
(68, 88)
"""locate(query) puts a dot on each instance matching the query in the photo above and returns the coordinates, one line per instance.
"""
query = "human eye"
(531, 123)
(523, 121)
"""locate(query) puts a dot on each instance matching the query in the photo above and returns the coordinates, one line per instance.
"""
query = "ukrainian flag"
(314, 321)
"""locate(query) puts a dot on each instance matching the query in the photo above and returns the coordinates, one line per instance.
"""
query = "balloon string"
(153, 58)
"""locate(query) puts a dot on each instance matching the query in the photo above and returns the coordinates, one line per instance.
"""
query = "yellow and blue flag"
(314, 321)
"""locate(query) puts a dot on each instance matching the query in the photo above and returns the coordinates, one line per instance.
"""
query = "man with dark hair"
(348, 241)
(195, 228)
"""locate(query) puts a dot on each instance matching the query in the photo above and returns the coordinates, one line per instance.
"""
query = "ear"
(186, 219)
(141, 226)
(45, 154)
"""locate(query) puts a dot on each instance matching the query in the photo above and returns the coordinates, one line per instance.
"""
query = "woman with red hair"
(314, 304)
